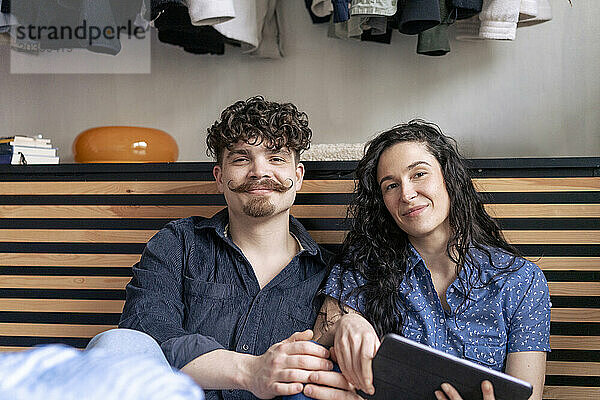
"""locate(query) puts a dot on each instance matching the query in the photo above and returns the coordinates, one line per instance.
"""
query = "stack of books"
(27, 150)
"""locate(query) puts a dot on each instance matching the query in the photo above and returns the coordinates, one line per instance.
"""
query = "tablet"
(407, 370)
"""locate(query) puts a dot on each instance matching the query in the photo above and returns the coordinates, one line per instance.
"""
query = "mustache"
(269, 184)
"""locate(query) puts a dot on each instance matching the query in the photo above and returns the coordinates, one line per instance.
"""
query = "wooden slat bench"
(70, 233)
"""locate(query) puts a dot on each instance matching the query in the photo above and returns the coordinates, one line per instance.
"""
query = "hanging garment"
(467, 29)
(464, 9)
(365, 29)
(321, 8)
(418, 15)
(470, 29)
(142, 18)
(243, 27)
(174, 27)
(7, 21)
(544, 13)
(51, 20)
(499, 19)
(376, 25)
(315, 18)
(99, 13)
(528, 9)
(158, 6)
(8, 32)
(270, 40)
(384, 8)
(210, 12)
(377, 34)
(349, 29)
(341, 10)
(256, 26)
(435, 41)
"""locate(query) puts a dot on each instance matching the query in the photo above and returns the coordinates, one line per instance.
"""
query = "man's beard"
(259, 207)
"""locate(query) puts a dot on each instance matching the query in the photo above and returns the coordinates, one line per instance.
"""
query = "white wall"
(536, 96)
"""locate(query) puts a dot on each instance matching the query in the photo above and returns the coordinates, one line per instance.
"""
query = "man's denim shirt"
(194, 291)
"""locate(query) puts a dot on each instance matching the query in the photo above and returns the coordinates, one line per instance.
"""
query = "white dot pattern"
(511, 314)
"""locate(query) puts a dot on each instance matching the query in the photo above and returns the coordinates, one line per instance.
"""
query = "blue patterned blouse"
(511, 314)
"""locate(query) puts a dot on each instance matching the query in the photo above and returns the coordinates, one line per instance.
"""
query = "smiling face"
(414, 191)
(257, 181)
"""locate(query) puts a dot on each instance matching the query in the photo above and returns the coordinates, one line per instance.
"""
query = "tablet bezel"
(397, 353)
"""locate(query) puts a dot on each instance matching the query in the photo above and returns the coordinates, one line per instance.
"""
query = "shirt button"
(442, 320)
(245, 347)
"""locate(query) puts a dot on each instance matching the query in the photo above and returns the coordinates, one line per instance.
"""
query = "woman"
(425, 260)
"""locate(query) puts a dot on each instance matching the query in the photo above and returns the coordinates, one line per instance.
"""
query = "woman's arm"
(529, 366)
(329, 314)
(354, 341)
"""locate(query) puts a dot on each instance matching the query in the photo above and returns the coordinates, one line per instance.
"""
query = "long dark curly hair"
(378, 249)
(258, 121)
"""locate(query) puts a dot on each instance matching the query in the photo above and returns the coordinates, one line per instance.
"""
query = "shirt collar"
(414, 258)
(220, 221)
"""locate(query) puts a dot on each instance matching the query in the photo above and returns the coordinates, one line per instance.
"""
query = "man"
(231, 299)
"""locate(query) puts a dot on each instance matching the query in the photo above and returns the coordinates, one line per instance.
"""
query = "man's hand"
(286, 365)
(329, 385)
(449, 393)
(355, 345)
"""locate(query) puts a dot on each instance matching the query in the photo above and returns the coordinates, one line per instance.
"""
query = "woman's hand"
(355, 346)
(449, 393)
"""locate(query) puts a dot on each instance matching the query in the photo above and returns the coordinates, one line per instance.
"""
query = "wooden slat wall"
(66, 248)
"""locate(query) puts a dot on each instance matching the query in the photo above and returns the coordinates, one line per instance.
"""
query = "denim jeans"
(127, 342)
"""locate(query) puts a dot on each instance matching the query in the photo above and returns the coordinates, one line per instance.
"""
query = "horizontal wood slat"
(558, 342)
(4, 349)
(63, 282)
(581, 184)
(127, 260)
(62, 305)
(103, 211)
(574, 288)
(68, 260)
(552, 237)
(76, 235)
(573, 368)
(299, 211)
(577, 184)
(571, 392)
(150, 187)
(543, 210)
(576, 314)
(118, 283)
(567, 263)
(88, 331)
(173, 212)
(107, 187)
(52, 330)
(324, 236)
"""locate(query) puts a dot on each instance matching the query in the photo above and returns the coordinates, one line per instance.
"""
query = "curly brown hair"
(256, 121)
